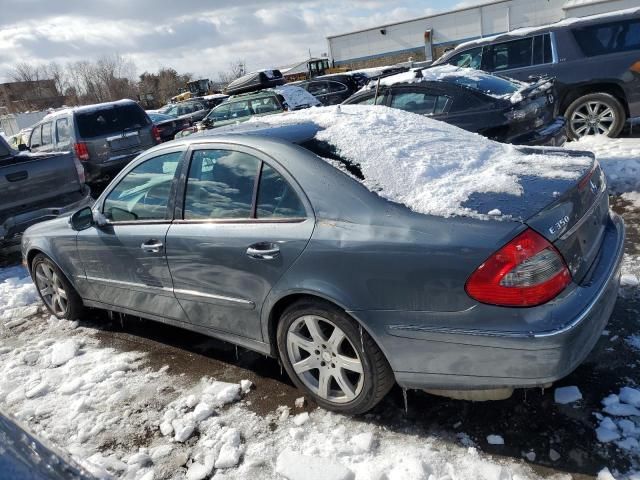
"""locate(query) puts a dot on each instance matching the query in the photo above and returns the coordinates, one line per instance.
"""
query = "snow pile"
(17, 295)
(297, 97)
(564, 395)
(427, 165)
(622, 422)
(618, 157)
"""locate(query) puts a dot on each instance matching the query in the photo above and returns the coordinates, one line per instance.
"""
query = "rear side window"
(110, 120)
(239, 110)
(368, 100)
(608, 37)
(46, 134)
(63, 132)
(276, 198)
(469, 58)
(418, 102)
(265, 105)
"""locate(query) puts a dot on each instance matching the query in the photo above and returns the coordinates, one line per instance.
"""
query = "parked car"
(22, 137)
(242, 107)
(254, 81)
(36, 187)
(593, 59)
(104, 137)
(331, 89)
(214, 99)
(167, 125)
(192, 110)
(360, 245)
(26, 457)
(498, 108)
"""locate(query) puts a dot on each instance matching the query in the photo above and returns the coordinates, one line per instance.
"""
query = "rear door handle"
(17, 176)
(263, 251)
(152, 246)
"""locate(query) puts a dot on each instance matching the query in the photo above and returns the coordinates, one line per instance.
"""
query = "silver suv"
(104, 137)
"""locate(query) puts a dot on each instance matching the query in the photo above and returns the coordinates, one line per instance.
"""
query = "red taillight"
(80, 170)
(155, 131)
(527, 271)
(82, 152)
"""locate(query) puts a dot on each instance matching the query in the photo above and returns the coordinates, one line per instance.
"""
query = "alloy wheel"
(51, 288)
(324, 359)
(593, 118)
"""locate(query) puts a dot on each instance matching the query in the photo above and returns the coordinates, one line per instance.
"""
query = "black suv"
(595, 61)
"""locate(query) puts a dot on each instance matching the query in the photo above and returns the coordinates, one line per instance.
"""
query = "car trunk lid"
(570, 213)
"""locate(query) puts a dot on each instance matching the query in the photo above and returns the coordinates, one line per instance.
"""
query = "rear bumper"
(449, 358)
(553, 134)
(13, 227)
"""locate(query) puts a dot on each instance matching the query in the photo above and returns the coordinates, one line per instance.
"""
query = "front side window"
(276, 198)
(265, 105)
(468, 59)
(143, 193)
(63, 131)
(36, 137)
(418, 102)
(219, 114)
(513, 54)
(369, 99)
(607, 38)
(46, 134)
(220, 185)
(239, 110)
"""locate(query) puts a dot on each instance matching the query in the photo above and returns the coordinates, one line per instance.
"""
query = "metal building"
(421, 38)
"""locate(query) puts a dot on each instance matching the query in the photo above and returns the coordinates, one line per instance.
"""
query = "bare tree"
(236, 69)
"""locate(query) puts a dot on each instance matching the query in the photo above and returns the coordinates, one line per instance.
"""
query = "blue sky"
(197, 36)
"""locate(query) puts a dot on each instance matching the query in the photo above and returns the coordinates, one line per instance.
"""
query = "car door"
(125, 260)
(35, 139)
(243, 223)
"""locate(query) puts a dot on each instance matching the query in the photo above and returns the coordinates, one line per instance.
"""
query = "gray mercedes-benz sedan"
(361, 245)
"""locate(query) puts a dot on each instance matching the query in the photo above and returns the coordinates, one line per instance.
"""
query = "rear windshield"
(109, 120)
(489, 84)
(609, 37)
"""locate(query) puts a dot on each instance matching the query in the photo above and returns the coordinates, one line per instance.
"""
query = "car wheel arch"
(612, 88)
(285, 301)
(34, 252)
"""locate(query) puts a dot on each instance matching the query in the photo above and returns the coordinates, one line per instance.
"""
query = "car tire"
(595, 112)
(355, 373)
(53, 287)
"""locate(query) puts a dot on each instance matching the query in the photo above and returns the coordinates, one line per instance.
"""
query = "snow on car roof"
(430, 166)
(296, 97)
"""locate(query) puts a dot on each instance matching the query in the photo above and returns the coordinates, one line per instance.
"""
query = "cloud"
(190, 35)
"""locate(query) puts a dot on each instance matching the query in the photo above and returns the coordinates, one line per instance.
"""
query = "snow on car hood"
(429, 166)
(297, 97)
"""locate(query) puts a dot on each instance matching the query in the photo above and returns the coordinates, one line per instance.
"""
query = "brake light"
(155, 131)
(527, 271)
(80, 170)
(82, 152)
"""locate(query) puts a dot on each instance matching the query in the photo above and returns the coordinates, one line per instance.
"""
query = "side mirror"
(22, 147)
(82, 219)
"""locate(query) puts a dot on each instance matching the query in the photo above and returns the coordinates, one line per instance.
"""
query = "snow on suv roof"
(429, 166)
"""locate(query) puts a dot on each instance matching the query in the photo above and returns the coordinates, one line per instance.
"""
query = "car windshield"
(159, 117)
(110, 119)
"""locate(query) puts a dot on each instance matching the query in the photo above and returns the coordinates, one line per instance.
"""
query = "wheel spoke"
(345, 385)
(299, 341)
(582, 130)
(324, 380)
(313, 325)
(336, 338)
(607, 113)
(48, 272)
(46, 291)
(41, 277)
(351, 364)
(581, 116)
(305, 365)
(62, 293)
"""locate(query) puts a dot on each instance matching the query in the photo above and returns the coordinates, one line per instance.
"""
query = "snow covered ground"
(120, 416)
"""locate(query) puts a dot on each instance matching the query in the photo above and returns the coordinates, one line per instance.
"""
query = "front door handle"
(152, 246)
(263, 251)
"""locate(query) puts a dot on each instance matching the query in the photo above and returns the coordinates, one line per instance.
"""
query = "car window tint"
(368, 100)
(63, 132)
(36, 138)
(513, 54)
(541, 49)
(143, 193)
(441, 104)
(220, 185)
(265, 105)
(46, 134)
(318, 88)
(276, 198)
(111, 119)
(336, 87)
(416, 102)
(469, 58)
(219, 113)
(608, 37)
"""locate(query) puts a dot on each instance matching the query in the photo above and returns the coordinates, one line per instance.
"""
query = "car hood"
(49, 226)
